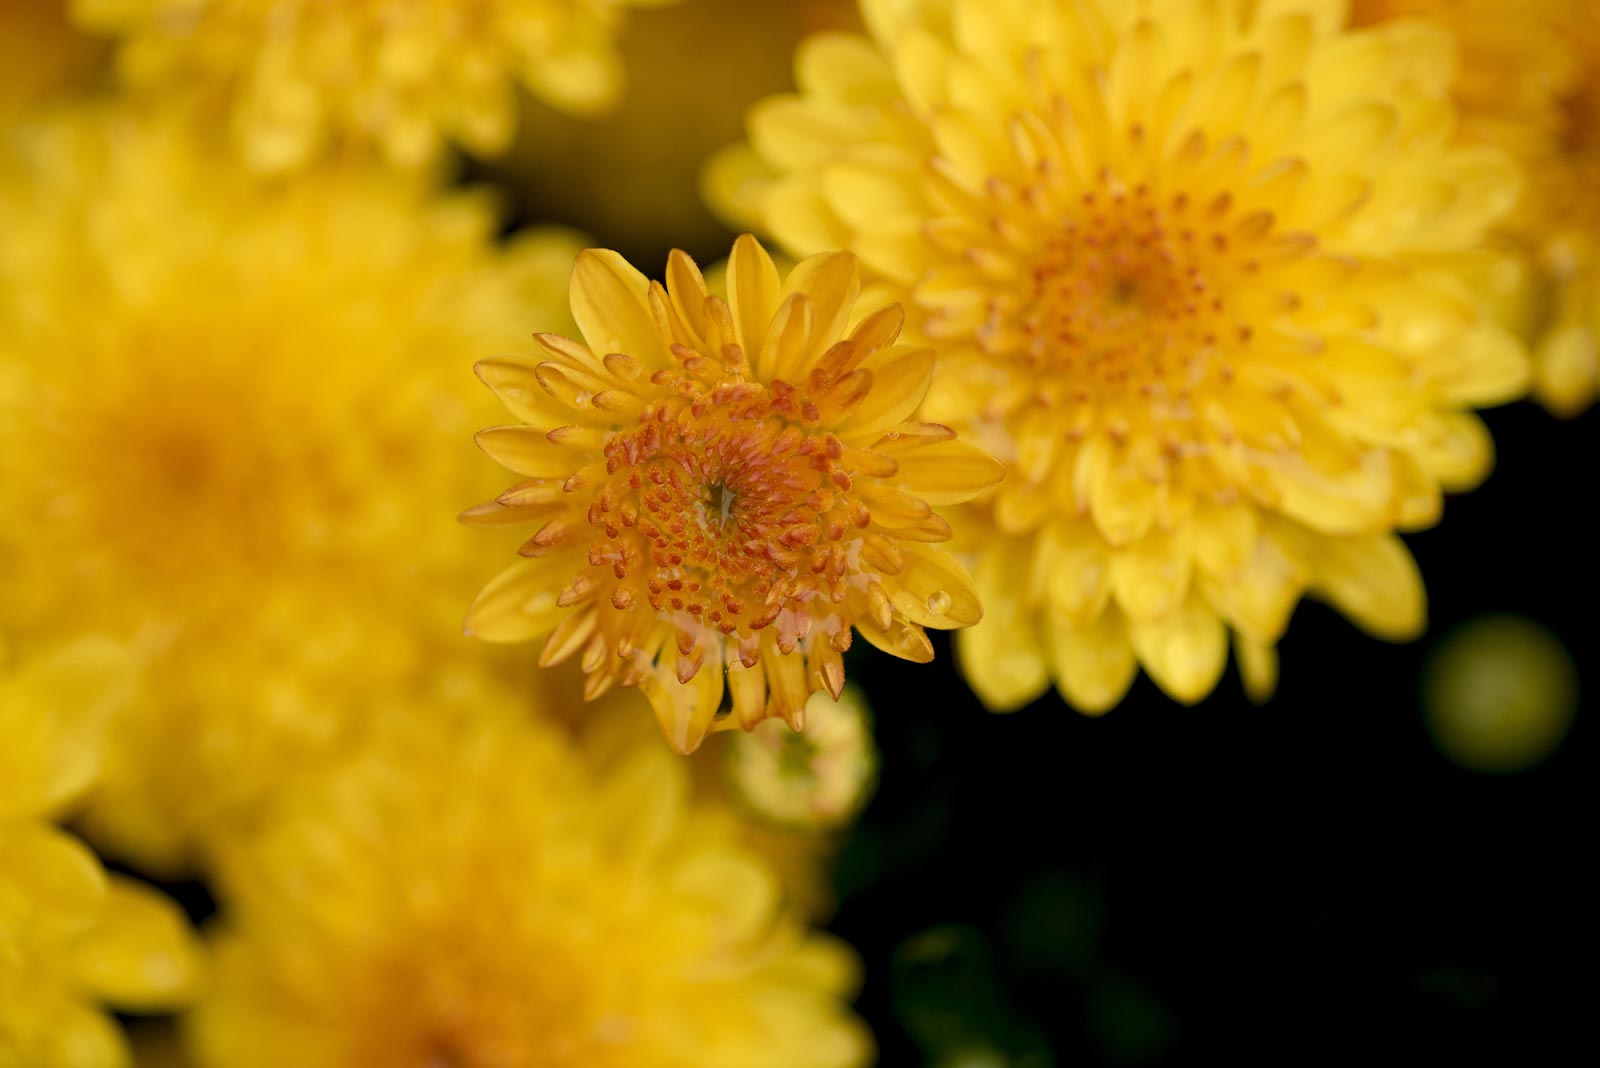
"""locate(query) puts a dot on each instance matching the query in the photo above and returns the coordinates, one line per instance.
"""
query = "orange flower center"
(726, 509)
(1135, 290)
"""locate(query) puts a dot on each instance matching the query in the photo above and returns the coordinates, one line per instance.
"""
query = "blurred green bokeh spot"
(1499, 693)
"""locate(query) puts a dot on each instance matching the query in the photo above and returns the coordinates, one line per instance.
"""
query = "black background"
(1301, 881)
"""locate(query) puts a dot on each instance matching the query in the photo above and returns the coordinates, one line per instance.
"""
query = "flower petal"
(519, 604)
(528, 450)
(1374, 581)
(1094, 662)
(684, 710)
(1185, 652)
(905, 640)
(515, 382)
(932, 589)
(947, 472)
(1002, 657)
(753, 293)
(611, 305)
(900, 380)
(142, 956)
(831, 281)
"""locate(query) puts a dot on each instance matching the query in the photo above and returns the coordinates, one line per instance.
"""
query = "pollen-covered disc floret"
(1527, 80)
(725, 484)
(298, 77)
(1196, 274)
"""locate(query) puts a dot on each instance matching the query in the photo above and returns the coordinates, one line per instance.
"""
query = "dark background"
(1302, 881)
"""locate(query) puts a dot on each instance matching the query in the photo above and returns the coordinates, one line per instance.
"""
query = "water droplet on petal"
(939, 602)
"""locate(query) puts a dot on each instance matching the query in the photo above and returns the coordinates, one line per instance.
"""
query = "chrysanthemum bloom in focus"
(724, 484)
(403, 75)
(230, 427)
(1194, 266)
(1528, 81)
(569, 908)
(72, 937)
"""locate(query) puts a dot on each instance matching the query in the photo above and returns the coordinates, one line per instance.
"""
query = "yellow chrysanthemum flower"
(231, 419)
(570, 908)
(404, 75)
(1528, 81)
(1193, 265)
(815, 781)
(724, 484)
(71, 936)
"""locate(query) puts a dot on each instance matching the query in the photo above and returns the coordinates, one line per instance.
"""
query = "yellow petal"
(52, 714)
(843, 67)
(514, 380)
(585, 79)
(610, 301)
(753, 293)
(788, 686)
(1569, 369)
(1094, 663)
(905, 640)
(734, 887)
(1374, 581)
(832, 282)
(932, 589)
(733, 182)
(1185, 652)
(684, 710)
(748, 688)
(84, 1037)
(528, 450)
(142, 956)
(686, 287)
(1456, 449)
(1002, 657)
(58, 879)
(1488, 366)
(1258, 668)
(1150, 578)
(1257, 597)
(899, 382)
(1075, 566)
(947, 472)
(519, 604)
(638, 804)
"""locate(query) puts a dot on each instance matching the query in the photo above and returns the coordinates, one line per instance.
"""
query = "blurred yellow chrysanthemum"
(1528, 81)
(41, 55)
(818, 780)
(724, 484)
(473, 890)
(1193, 265)
(300, 76)
(71, 936)
(230, 427)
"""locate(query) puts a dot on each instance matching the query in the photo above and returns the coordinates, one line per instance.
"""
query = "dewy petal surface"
(734, 489)
(1206, 278)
